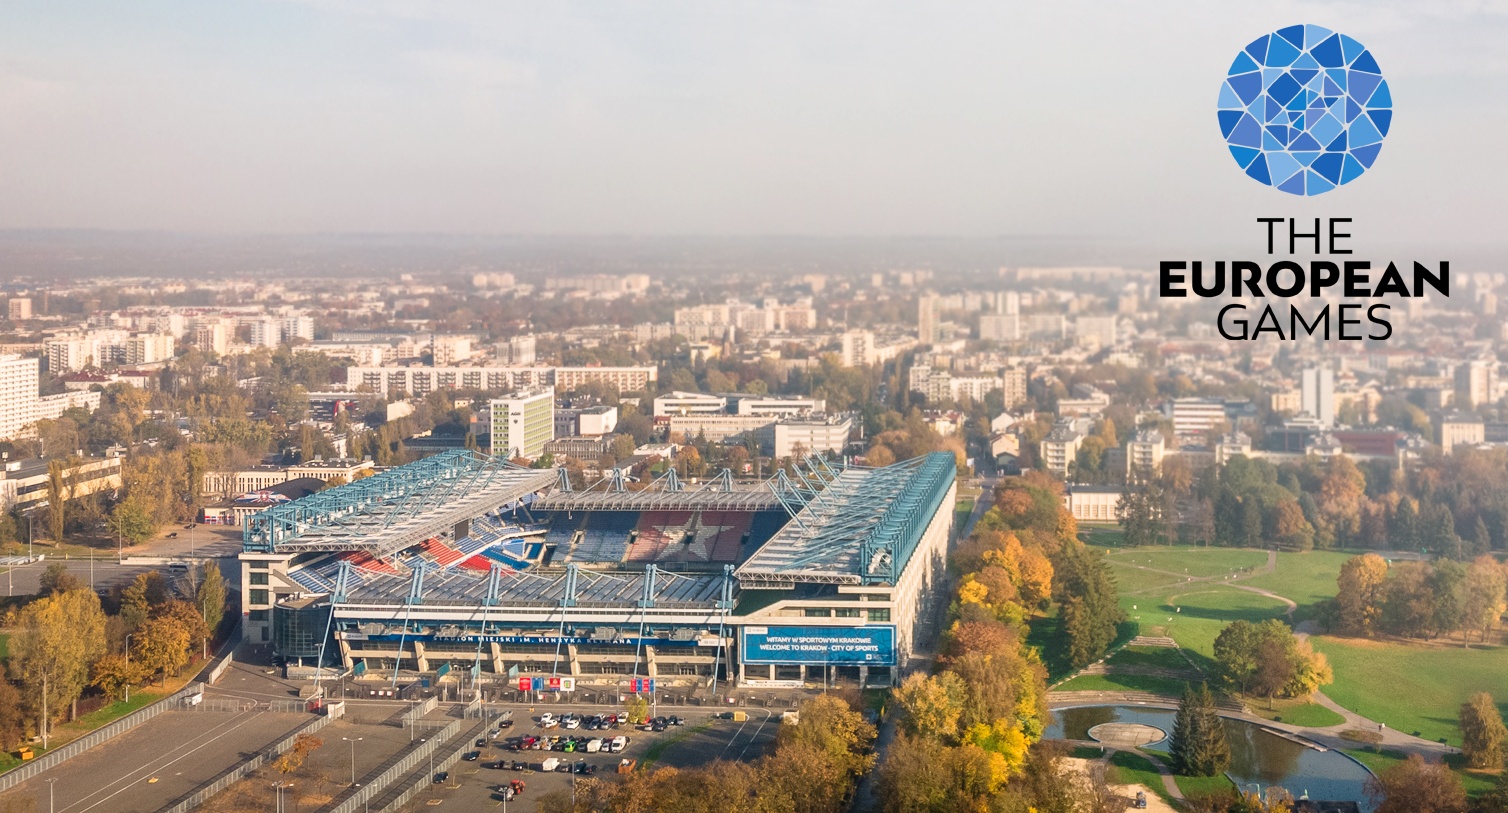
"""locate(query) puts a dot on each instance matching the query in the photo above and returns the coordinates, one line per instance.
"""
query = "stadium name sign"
(1290, 279)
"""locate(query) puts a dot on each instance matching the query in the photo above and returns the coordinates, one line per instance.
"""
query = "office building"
(523, 423)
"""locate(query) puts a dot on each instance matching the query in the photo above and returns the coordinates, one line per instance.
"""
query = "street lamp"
(352, 741)
(128, 664)
(50, 800)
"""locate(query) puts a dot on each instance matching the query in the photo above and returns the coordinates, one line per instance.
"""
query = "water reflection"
(1256, 755)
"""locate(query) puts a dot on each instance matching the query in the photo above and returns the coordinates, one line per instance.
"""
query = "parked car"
(481, 742)
(472, 756)
(441, 777)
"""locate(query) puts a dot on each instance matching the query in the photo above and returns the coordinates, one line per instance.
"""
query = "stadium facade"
(464, 564)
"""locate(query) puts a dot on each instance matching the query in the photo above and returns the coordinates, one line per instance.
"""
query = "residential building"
(592, 421)
(859, 349)
(1000, 327)
(1013, 386)
(522, 423)
(1460, 429)
(23, 483)
(517, 351)
(1096, 331)
(1144, 454)
(1319, 395)
(928, 319)
(793, 437)
(450, 350)
(1476, 383)
(149, 348)
(19, 379)
(19, 309)
(1235, 443)
(1060, 449)
(1195, 416)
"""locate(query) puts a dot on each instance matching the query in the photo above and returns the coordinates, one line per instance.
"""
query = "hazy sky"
(698, 117)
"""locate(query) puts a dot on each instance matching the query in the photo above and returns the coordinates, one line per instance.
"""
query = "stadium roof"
(400, 507)
(668, 493)
(861, 528)
(554, 588)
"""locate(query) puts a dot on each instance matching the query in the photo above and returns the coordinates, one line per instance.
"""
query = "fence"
(426, 779)
(407, 762)
(203, 793)
(425, 706)
(63, 753)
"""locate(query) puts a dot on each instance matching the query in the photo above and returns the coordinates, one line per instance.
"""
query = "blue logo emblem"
(1305, 109)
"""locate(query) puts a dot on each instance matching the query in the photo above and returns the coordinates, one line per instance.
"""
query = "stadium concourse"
(466, 568)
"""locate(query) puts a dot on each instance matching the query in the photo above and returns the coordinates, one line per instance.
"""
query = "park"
(1390, 696)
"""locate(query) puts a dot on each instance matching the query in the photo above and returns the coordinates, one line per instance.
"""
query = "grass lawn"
(1194, 614)
(1124, 683)
(1191, 561)
(1131, 768)
(1046, 634)
(1105, 536)
(1295, 712)
(1157, 657)
(1378, 761)
(1130, 580)
(1194, 787)
(1307, 578)
(1086, 752)
(1412, 687)
(4, 645)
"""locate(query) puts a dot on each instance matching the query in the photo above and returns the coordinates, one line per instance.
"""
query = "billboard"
(844, 646)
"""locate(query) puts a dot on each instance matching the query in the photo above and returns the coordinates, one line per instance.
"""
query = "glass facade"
(298, 627)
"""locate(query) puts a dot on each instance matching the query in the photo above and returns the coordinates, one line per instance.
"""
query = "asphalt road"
(160, 760)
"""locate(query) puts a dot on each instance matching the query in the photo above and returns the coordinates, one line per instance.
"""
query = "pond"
(1257, 756)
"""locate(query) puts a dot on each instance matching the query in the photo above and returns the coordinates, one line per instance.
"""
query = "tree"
(1359, 593)
(210, 596)
(1087, 600)
(931, 706)
(830, 728)
(132, 521)
(58, 493)
(56, 579)
(1236, 653)
(1483, 598)
(1482, 733)
(1416, 786)
(60, 636)
(1268, 660)
(162, 645)
(12, 715)
(292, 759)
(114, 674)
(638, 709)
(1249, 534)
(1199, 746)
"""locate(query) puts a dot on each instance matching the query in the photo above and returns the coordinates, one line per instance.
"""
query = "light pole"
(128, 670)
(353, 741)
(50, 799)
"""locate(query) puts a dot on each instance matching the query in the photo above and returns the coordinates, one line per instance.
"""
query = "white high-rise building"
(148, 348)
(858, 348)
(1319, 394)
(20, 309)
(298, 327)
(19, 379)
(522, 423)
(1000, 327)
(266, 333)
(928, 323)
(1013, 386)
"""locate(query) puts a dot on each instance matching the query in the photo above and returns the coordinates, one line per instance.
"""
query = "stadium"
(469, 566)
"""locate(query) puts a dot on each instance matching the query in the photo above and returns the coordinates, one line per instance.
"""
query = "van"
(178, 567)
(619, 743)
(594, 745)
(549, 765)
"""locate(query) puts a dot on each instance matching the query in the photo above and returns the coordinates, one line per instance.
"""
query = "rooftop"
(860, 527)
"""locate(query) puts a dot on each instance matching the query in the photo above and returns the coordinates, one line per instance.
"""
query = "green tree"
(1483, 735)
(58, 493)
(162, 645)
(1087, 602)
(1199, 746)
(210, 596)
(132, 521)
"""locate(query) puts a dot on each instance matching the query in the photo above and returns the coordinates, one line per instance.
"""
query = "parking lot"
(700, 739)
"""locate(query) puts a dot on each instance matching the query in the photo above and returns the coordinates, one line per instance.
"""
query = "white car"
(571, 721)
(546, 720)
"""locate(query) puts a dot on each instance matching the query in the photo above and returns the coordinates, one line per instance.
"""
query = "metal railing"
(204, 792)
(371, 788)
(63, 753)
(419, 783)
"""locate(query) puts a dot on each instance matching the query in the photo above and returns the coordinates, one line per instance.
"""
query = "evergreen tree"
(1250, 535)
(1405, 526)
(1199, 746)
